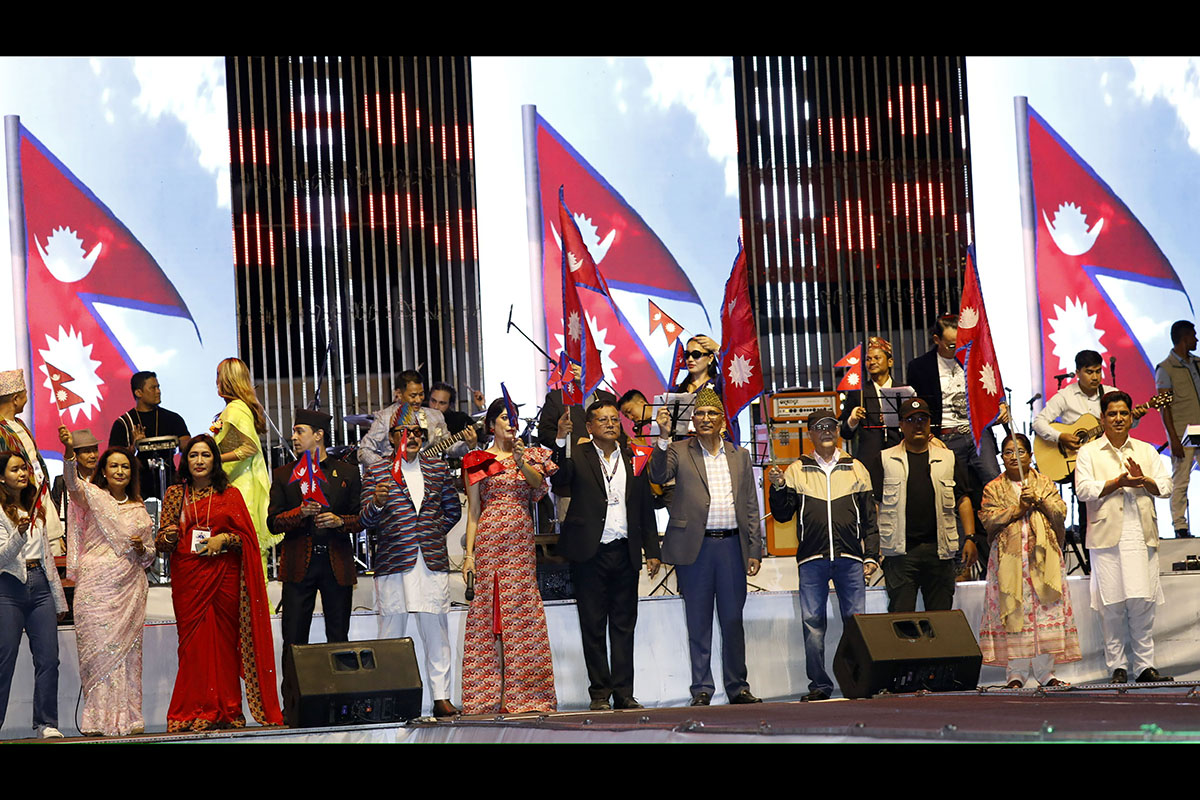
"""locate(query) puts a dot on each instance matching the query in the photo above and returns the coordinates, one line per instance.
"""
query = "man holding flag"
(314, 504)
(413, 503)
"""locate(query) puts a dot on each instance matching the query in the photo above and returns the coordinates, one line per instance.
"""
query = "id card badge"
(199, 537)
(613, 497)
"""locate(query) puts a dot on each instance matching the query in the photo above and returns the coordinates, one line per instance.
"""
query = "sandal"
(1015, 684)
(1055, 682)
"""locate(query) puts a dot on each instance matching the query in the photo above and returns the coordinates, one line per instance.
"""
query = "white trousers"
(435, 639)
(1040, 668)
(1136, 615)
(1181, 473)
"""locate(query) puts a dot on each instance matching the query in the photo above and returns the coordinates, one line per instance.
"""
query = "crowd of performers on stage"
(917, 501)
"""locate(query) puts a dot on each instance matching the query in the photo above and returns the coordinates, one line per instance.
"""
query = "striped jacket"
(402, 528)
(836, 510)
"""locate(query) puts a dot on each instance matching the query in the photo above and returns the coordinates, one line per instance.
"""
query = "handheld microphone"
(470, 593)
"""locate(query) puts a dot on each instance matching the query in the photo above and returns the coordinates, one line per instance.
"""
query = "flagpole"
(16, 239)
(533, 226)
(1033, 313)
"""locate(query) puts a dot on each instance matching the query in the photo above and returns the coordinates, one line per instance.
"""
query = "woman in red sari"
(221, 608)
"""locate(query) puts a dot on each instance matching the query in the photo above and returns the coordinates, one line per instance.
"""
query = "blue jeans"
(847, 576)
(29, 607)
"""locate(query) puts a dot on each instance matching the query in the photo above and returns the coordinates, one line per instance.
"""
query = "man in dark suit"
(609, 524)
(862, 414)
(316, 554)
(713, 539)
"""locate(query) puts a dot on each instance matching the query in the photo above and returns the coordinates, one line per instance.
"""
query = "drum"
(158, 445)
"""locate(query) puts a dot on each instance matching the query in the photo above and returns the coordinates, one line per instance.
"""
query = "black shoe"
(1120, 676)
(600, 705)
(1150, 675)
(624, 703)
(815, 694)
(1183, 533)
(701, 699)
(743, 698)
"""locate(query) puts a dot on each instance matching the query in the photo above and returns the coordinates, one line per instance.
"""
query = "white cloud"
(704, 86)
(1175, 79)
(193, 90)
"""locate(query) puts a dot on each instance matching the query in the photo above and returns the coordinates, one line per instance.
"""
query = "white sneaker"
(49, 732)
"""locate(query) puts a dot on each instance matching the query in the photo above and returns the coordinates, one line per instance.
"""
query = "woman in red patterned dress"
(220, 599)
(506, 652)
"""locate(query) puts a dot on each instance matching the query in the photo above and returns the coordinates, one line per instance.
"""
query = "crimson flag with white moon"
(80, 259)
(976, 352)
(1102, 281)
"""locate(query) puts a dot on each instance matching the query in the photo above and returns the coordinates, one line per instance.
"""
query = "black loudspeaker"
(347, 683)
(935, 651)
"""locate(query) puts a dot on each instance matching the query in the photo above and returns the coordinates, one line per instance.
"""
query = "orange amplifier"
(788, 439)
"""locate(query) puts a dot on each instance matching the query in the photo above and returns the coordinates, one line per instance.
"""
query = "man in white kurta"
(1119, 477)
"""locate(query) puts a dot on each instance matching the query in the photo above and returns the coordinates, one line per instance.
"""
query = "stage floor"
(1080, 714)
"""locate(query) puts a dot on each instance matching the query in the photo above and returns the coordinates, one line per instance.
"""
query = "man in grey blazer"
(713, 539)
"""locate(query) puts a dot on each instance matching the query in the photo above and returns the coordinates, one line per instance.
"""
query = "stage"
(1078, 714)
(774, 649)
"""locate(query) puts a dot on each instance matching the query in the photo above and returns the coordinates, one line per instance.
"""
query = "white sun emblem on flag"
(573, 327)
(1073, 330)
(68, 353)
(740, 370)
(852, 379)
(987, 377)
(968, 319)
(304, 487)
(598, 336)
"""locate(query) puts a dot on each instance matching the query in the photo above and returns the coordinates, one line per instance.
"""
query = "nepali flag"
(641, 456)
(310, 477)
(578, 269)
(659, 319)
(79, 259)
(562, 379)
(64, 398)
(514, 422)
(853, 363)
(741, 364)
(636, 266)
(678, 362)
(974, 350)
(1098, 269)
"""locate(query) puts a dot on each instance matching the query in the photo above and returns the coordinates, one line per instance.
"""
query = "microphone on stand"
(1033, 399)
(1112, 369)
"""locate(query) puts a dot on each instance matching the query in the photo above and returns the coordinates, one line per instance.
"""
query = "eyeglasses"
(411, 431)
(696, 355)
(1020, 451)
(706, 414)
(824, 426)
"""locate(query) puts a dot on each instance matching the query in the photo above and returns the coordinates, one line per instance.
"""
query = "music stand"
(680, 404)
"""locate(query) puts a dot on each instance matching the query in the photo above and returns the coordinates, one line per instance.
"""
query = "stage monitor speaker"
(934, 650)
(348, 683)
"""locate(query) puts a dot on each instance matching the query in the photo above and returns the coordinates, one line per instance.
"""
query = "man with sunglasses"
(412, 503)
(713, 539)
(923, 487)
(837, 533)
(609, 524)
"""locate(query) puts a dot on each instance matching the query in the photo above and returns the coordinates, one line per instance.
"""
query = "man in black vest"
(608, 525)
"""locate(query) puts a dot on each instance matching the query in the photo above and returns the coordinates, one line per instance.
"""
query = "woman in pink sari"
(220, 599)
(108, 550)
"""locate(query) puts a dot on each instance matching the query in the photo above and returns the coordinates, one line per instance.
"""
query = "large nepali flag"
(579, 270)
(741, 364)
(977, 354)
(1091, 249)
(623, 248)
(79, 257)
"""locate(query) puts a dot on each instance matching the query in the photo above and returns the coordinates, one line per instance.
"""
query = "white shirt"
(414, 480)
(616, 521)
(1068, 405)
(954, 392)
(827, 466)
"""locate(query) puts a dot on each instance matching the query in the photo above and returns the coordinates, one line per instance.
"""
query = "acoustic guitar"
(1057, 461)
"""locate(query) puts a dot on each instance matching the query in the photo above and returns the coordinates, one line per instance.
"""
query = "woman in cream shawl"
(1027, 623)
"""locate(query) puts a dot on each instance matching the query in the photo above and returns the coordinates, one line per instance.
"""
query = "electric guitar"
(1057, 461)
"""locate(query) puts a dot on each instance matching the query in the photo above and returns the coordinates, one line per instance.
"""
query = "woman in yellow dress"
(237, 432)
